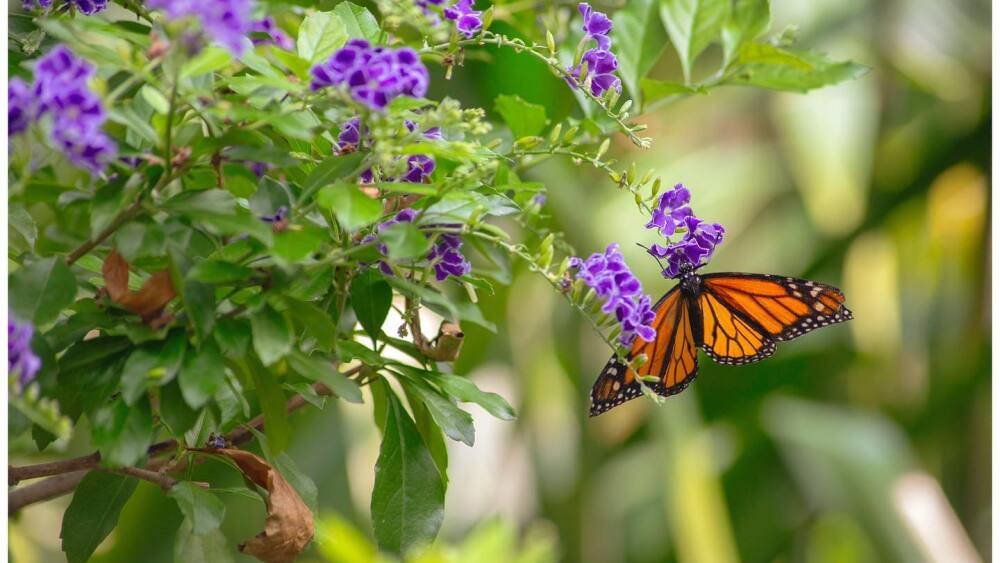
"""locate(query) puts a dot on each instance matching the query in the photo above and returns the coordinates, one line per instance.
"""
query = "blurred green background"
(868, 441)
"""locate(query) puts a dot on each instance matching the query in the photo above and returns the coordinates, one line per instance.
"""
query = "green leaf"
(320, 35)
(93, 513)
(350, 350)
(796, 71)
(21, 228)
(41, 290)
(693, 25)
(352, 208)
(199, 303)
(122, 433)
(318, 369)
(456, 423)
(431, 432)
(233, 335)
(205, 547)
(765, 53)
(747, 21)
(140, 240)
(155, 99)
(639, 41)
(408, 498)
(405, 241)
(219, 272)
(202, 509)
(210, 59)
(523, 118)
(330, 170)
(217, 211)
(174, 410)
(272, 403)
(465, 390)
(371, 298)
(316, 322)
(298, 245)
(358, 21)
(653, 90)
(202, 374)
(298, 480)
(153, 362)
(272, 334)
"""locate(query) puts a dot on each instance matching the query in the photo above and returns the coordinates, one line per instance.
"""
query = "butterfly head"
(690, 282)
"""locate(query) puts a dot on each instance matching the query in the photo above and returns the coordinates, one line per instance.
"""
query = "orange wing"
(672, 358)
(745, 314)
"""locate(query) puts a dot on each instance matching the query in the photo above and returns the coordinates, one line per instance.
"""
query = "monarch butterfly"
(735, 318)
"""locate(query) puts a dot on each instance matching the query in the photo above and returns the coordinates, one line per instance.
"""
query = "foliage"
(241, 258)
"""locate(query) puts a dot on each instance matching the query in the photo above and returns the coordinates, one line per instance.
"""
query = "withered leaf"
(289, 527)
(149, 300)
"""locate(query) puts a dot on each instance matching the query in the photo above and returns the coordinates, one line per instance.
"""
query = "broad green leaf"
(465, 390)
(219, 272)
(320, 35)
(427, 295)
(298, 480)
(174, 410)
(322, 370)
(152, 362)
(348, 350)
(765, 53)
(210, 59)
(299, 244)
(203, 372)
(122, 433)
(140, 240)
(199, 303)
(455, 422)
(794, 77)
(371, 298)
(639, 40)
(316, 322)
(272, 334)
(217, 210)
(41, 290)
(358, 21)
(205, 547)
(523, 118)
(330, 170)
(21, 228)
(202, 509)
(408, 498)
(233, 335)
(155, 99)
(272, 403)
(296, 64)
(405, 241)
(747, 21)
(93, 513)
(431, 432)
(693, 25)
(653, 90)
(352, 208)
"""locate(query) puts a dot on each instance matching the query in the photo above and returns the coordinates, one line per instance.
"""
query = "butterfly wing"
(672, 357)
(745, 314)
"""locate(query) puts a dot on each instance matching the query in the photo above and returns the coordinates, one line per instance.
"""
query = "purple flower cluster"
(446, 255)
(373, 75)
(86, 7)
(21, 359)
(224, 21)
(467, 20)
(275, 35)
(60, 90)
(419, 167)
(699, 241)
(601, 63)
(621, 292)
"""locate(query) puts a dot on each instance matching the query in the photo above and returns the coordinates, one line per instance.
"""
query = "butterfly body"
(734, 318)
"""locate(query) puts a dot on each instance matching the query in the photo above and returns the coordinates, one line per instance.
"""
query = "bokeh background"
(868, 441)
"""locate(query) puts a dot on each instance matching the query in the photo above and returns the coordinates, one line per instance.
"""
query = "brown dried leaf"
(289, 527)
(149, 300)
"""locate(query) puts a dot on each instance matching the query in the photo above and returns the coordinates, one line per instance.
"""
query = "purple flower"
(257, 167)
(278, 217)
(90, 7)
(224, 21)
(671, 210)
(29, 5)
(596, 25)
(419, 169)
(21, 359)
(20, 106)
(621, 292)
(405, 216)
(447, 256)
(692, 251)
(60, 88)
(350, 137)
(467, 20)
(601, 66)
(276, 36)
(373, 75)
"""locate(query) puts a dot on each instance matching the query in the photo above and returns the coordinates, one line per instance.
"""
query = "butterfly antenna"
(647, 249)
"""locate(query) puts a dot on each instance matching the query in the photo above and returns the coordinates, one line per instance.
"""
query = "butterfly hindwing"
(672, 357)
